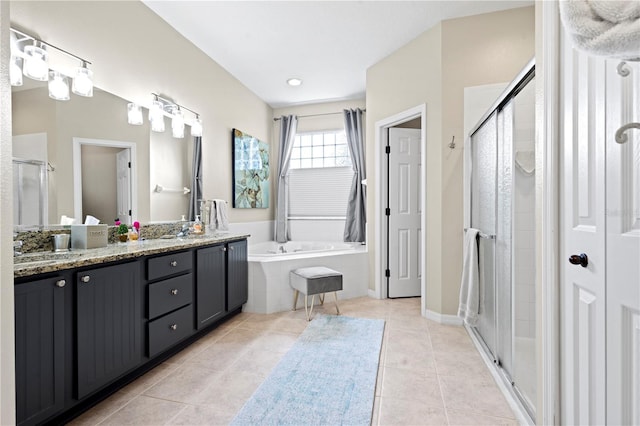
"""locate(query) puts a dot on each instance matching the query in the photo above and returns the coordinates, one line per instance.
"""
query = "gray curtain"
(354, 230)
(196, 179)
(288, 127)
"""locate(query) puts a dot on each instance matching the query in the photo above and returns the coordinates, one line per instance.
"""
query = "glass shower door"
(483, 218)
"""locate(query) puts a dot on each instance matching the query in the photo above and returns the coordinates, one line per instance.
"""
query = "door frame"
(77, 171)
(547, 214)
(381, 135)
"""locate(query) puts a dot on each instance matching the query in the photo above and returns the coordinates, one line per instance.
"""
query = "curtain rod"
(317, 115)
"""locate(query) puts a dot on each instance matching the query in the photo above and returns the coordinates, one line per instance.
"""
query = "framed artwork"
(250, 171)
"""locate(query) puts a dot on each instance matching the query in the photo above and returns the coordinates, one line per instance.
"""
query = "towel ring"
(623, 69)
(621, 136)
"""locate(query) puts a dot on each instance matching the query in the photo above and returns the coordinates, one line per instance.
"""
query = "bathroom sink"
(45, 257)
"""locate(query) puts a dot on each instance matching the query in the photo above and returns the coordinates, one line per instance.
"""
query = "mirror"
(81, 142)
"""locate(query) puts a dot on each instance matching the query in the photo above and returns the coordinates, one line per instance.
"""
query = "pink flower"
(117, 222)
(136, 225)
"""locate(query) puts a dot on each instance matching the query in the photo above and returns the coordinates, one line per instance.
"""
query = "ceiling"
(328, 44)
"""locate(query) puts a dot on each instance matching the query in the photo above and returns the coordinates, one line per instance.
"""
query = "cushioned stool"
(312, 281)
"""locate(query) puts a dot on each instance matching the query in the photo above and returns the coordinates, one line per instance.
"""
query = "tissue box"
(88, 236)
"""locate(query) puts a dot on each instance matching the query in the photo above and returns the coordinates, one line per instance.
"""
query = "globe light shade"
(35, 63)
(83, 82)
(58, 86)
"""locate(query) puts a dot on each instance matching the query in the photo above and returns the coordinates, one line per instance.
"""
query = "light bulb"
(35, 63)
(134, 114)
(177, 123)
(196, 127)
(15, 73)
(58, 86)
(83, 82)
(156, 116)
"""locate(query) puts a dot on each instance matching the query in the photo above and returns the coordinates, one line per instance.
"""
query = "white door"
(123, 185)
(623, 246)
(404, 250)
(582, 202)
(600, 217)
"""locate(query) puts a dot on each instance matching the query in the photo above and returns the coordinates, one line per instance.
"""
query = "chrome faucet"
(17, 245)
(282, 249)
(184, 231)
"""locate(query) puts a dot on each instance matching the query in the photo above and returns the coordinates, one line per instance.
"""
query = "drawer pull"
(85, 278)
(174, 291)
(61, 283)
(231, 248)
(223, 248)
(173, 326)
(174, 263)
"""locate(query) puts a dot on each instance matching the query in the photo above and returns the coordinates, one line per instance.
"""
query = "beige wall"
(434, 69)
(99, 182)
(135, 53)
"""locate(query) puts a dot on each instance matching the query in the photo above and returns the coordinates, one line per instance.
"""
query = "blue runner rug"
(328, 377)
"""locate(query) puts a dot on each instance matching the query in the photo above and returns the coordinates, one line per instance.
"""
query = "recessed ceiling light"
(294, 82)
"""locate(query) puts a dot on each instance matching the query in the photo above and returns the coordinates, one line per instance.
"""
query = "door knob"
(579, 259)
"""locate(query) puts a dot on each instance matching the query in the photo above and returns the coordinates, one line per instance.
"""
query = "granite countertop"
(41, 262)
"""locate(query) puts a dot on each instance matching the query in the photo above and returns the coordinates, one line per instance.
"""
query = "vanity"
(90, 321)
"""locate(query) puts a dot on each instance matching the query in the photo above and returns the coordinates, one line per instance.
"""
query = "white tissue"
(66, 220)
(90, 220)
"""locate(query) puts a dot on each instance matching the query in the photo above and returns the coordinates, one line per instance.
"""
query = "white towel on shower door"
(470, 285)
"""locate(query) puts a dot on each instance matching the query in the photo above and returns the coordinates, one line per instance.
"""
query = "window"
(320, 175)
(321, 149)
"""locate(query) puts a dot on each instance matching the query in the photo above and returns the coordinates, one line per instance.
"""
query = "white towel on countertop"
(469, 307)
(608, 28)
(222, 219)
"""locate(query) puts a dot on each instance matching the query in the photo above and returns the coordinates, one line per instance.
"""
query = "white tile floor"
(429, 374)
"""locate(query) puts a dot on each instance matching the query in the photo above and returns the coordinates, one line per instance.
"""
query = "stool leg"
(295, 299)
(313, 298)
(335, 293)
(306, 311)
(321, 297)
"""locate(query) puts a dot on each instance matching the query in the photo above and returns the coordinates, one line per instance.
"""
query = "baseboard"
(443, 318)
(373, 294)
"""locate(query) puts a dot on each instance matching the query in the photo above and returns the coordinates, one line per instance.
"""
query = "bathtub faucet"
(282, 249)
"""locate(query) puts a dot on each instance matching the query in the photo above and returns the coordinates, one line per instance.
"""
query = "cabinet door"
(109, 337)
(210, 288)
(237, 279)
(39, 326)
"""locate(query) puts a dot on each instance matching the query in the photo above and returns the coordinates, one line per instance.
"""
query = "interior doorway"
(416, 117)
(119, 160)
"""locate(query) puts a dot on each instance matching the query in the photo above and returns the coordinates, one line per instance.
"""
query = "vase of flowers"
(122, 231)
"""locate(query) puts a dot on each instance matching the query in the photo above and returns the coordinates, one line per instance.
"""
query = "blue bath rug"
(328, 377)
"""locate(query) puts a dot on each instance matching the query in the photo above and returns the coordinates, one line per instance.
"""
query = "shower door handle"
(579, 259)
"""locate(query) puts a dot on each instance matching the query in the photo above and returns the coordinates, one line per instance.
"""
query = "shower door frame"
(518, 83)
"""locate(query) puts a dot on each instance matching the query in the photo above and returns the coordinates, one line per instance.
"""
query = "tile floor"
(429, 374)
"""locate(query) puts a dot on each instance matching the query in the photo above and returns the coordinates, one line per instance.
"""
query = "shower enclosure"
(30, 200)
(502, 189)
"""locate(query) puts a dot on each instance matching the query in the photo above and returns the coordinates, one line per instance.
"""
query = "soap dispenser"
(197, 225)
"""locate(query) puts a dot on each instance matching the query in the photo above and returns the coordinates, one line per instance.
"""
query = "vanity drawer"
(168, 295)
(169, 264)
(168, 330)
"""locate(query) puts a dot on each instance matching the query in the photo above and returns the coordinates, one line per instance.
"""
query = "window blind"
(319, 192)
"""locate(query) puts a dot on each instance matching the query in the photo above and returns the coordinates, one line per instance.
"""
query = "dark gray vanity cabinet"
(169, 300)
(210, 285)
(108, 324)
(237, 275)
(40, 348)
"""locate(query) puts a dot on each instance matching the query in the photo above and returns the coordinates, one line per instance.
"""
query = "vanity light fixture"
(134, 114)
(35, 64)
(161, 107)
(58, 86)
(294, 82)
(83, 81)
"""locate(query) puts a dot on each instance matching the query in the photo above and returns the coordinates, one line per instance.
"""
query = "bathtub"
(271, 262)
